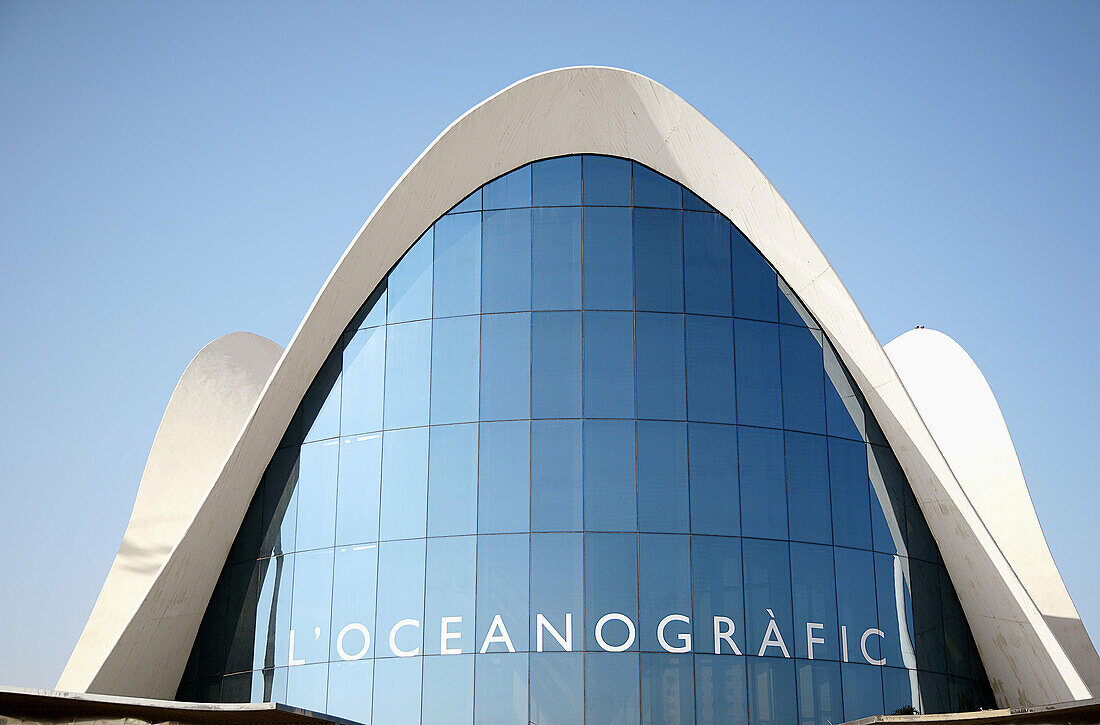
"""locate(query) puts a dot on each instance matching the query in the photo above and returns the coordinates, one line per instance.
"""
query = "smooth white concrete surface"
(614, 112)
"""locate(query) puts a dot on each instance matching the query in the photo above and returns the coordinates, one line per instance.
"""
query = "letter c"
(863, 645)
(393, 638)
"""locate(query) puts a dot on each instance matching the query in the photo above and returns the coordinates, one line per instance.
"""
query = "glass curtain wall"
(583, 457)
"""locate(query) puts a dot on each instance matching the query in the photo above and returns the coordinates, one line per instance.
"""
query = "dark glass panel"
(213, 639)
(557, 592)
(448, 690)
(320, 410)
(557, 688)
(317, 495)
(715, 498)
(662, 477)
(857, 608)
(813, 586)
(756, 346)
(455, 344)
(862, 690)
(556, 182)
(457, 286)
(717, 593)
(895, 609)
(955, 629)
(510, 191)
(243, 619)
(358, 488)
(503, 590)
(410, 283)
(272, 642)
(808, 488)
(755, 295)
(449, 596)
(452, 480)
(556, 365)
(763, 488)
(397, 690)
(803, 379)
(506, 367)
(928, 616)
(694, 203)
(504, 489)
(707, 280)
(610, 585)
(609, 483)
(311, 607)
(771, 684)
(710, 387)
(280, 488)
(404, 483)
(606, 181)
(355, 571)
(850, 490)
(819, 694)
(373, 311)
(664, 585)
(408, 379)
(652, 189)
(506, 261)
(720, 696)
(899, 691)
(791, 309)
(269, 685)
(609, 364)
(615, 677)
(888, 487)
(608, 259)
(236, 688)
(658, 260)
(400, 598)
(659, 366)
(363, 378)
(556, 259)
(668, 689)
(768, 597)
(556, 503)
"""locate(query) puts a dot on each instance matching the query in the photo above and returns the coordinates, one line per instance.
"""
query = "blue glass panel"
(269, 685)
(899, 690)
(506, 261)
(895, 609)
(272, 644)
(658, 260)
(756, 345)
(717, 595)
(557, 688)
(707, 280)
(397, 690)
(363, 377)
(715, 499)
(504, 489)
(311, 608)
(664, 587)
(350, 685)
(662, 477)
(509, 191)
(408, 366)
(606, 181)
(850, 487)
(557, 592)
(452, 480)
(857, 610)
(710, 388)
(888, 510)
(668, 689)
(803, 379)
(448, 690)
(400, 598)
(609, 364)
(455, 370)
(358, 488)
(820, 701)
(813, 586)
(720, 696)
(771, 683)
(556, 182)
(556, 259)
(652, 189)
(556, 365)
(306, 686)
(470, 203)
(862, 691)
(755, 295)
(280, 488)
(610, 586)
(317, 494)
(373, 312)
(404, 483)
(503, 590)
(449, 596)
(659, 368)
(500, 689)
(608, 259)
(763, 489)
(767, 593)
(791, 309)
(609, 483)
(457, 288)
(505, 367)
(615, 677)
(808, 488)
(556, 503)
(410, 283)
(354, 573)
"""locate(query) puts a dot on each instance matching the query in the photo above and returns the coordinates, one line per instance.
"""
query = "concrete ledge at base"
(1080, 712)
(50, 707)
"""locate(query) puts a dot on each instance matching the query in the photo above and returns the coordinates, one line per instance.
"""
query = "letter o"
(340, 642)
(629, 627)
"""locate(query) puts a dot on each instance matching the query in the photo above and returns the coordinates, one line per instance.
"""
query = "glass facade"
(584, 457)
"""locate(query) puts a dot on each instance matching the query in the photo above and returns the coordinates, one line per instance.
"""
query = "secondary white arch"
(560, 112)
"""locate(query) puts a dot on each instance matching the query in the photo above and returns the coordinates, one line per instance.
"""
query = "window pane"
(506, 261)
(408, 363)
(556, 475)
(609, 484)
(615, 677)
(757, 349)
(354, 575)
(397, 690)
(404, 483)
(768, 592)
(755, 295)
(610, 585)
(276, 576)
(808, 488)
(710, 369)
(311, 608)
(658, 260)
(359, 487)
(888, 489)
(470, 203)
(900, 689)
(609, 365)
(856, 607)
(664, 584)
(509, 191)
(707, 281)
(715, 501)
(662, 477)
(363, 376)
(803, 379)
(556, 259)
(317, 494)
(668, 689)
(694, 203)
(319, 413)
(608, 259)
(819, 694)
(791, 309)
(895, 610)
(850, 487)
(557, 591)
(505, 367)
(928, 616)
(557, 182)
(280, 488)
(450, 593)
(556, 365)
(457, 265)
(660, 366)
(717, 593)
(720, 697)
(862, 691)
(455, 370)
(349, 690)
(452, 480)
(606, 181)
(814, 588)
(448, 689)
(504, 499)
(771, 683)
(652, 189)
(400, 597)
(410, 283)
(763, 489)
(306, 686)
(502, 590)
(557, 688)
(500, 689)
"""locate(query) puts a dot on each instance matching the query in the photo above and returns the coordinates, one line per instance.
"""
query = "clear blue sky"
(170, 172)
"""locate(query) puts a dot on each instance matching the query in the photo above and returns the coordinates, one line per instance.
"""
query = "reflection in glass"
(608, 259)
(506, 261)
(609, 476)
(509, 191)
(606, 181)
(662, 477)
(408, 362)
(556, 182)
(448, 690)
(615, 676)
(457, 288)
(658, 260)
(452, 480)
(710, 388)
(500, 689)
(556, 259)
(557, 688)
(505, 367)
(455, 370)
(404, 483)
(410, 283)
(707, 282)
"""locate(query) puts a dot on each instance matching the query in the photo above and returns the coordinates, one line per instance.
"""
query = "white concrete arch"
(562, 112)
